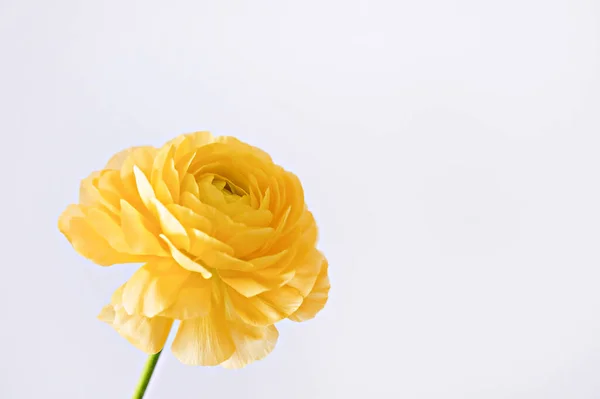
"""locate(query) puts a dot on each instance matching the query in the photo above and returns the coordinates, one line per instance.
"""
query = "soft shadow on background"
(449, 151)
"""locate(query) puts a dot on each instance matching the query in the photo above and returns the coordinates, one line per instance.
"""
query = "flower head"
(226, 242)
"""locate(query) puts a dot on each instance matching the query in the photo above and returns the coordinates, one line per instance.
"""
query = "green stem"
(140, 390)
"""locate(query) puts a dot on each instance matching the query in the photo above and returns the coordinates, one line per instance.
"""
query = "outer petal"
(117, 160)
(251, 344)
(88, 192)
(141, 158)
(108, 228)
(307, 273)
(317, 298)
(87, 241)
(147, 334)
(271, 272)
(244, 147)
(164, 177)
(199, 139)
(205, 341)
(267, 308)
(154, 287)
(139, 233)
(193, 299)
(64, 221)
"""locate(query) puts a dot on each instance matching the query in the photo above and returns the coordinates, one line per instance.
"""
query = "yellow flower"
(226, 241)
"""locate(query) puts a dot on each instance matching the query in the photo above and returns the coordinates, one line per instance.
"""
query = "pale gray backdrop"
(449, 149)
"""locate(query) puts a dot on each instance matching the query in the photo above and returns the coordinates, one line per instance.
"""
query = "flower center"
(228, 188)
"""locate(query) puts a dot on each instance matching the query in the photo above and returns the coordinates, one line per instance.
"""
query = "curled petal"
(199, 139)
(91, 196)
(183, 164)
(247, 284)
(240, 146)
(154, 287)
(316, 300)
(294, 196)
(307, 273)
(268, 261)
(170, 226)
(254, 282)
(203, 244)
(117, 160)
(164, 176)
(139, 233)
(108, 228)
(190, 219)
(140, 158)
(144, 187)
(64, 221)
(88, 193)
(266, 274)
(184, 261)
(224, 226)
(147, 334)
(88, 242)
(267, 308)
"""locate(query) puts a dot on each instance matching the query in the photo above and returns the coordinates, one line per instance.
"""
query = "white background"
(449, 150)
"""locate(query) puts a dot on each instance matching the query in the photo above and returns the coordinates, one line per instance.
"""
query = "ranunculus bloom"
(226, 242)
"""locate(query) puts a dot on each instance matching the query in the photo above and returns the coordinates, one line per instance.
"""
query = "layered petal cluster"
(227, 244)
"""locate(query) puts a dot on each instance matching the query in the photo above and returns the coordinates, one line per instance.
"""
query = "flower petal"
(254, 218)
(184, 163)
(270, 274)
(117, 160)
(90, 195)
(64, 220)
(206, 247)
(193, 299)
(205, 341)
(240, 146)
(141, 158)
(190, 219)
(136, 229)
(108, 228)
(268, 261)
(267, 308)
(164, 177)
(246, 242)
(224, 226)
(87, 242)
(189, 185)
(154, 287)
(184, 261)
(247, 284)
(251, 344)
(147, 334)
(110, 186)
(144, 187)
(199, 139)
(307, 273)
(317, 298)
(171, 227)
